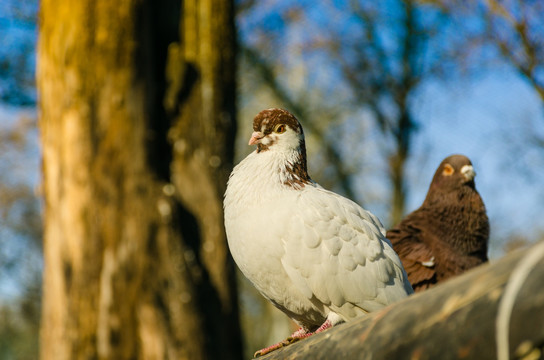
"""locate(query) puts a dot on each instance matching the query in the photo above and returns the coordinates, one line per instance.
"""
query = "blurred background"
(384, 89)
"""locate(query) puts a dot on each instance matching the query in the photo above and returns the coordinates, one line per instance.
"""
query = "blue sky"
(487, 112)
(489, 119)
(18, 166)
(18, 34)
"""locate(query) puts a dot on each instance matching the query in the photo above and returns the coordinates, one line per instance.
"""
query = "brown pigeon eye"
(280, 129)
(448, 170)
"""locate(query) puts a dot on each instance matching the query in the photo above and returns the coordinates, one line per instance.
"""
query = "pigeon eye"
(448, 170)
(280, 129)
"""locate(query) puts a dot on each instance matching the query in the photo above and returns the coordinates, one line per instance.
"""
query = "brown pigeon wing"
(417, 258)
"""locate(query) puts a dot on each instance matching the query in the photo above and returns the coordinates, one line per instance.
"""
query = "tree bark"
(136, 263)
(492, 312)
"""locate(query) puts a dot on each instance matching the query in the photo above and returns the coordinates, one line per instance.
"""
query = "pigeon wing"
(417, 257)
(337, 255)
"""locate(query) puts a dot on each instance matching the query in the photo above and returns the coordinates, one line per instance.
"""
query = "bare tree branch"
(523, 55)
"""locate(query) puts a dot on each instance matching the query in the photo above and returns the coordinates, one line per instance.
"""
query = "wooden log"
(495, 311)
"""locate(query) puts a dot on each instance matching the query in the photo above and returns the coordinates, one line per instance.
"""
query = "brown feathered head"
(454, 173)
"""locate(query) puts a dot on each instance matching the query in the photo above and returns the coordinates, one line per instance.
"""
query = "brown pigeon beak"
(256, 138)
(468, 172)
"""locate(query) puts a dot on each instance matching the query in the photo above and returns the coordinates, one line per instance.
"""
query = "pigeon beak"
(468, 172)
(256, 138)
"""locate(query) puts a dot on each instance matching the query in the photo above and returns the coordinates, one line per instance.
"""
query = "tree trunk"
(492, 312)
(137, 117)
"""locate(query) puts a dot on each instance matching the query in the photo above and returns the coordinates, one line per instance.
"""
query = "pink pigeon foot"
(300, 334)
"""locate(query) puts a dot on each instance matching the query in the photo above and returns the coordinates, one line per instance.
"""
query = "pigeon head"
(454, 172)
(277, 129)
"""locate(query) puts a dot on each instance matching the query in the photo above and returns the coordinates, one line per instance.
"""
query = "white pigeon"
(317, 256)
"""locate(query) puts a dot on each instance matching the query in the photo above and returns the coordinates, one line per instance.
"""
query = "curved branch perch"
(465, 318)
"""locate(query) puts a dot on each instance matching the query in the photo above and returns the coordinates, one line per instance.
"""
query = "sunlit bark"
(136, 264)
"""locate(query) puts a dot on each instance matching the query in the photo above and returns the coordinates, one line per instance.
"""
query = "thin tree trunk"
(136, 264)
(397, 162)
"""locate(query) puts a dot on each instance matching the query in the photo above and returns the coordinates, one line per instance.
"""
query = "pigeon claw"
(271, 348)
(296, 336)
(300, 334)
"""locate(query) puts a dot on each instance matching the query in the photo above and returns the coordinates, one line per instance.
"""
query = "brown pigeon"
(448, 234)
